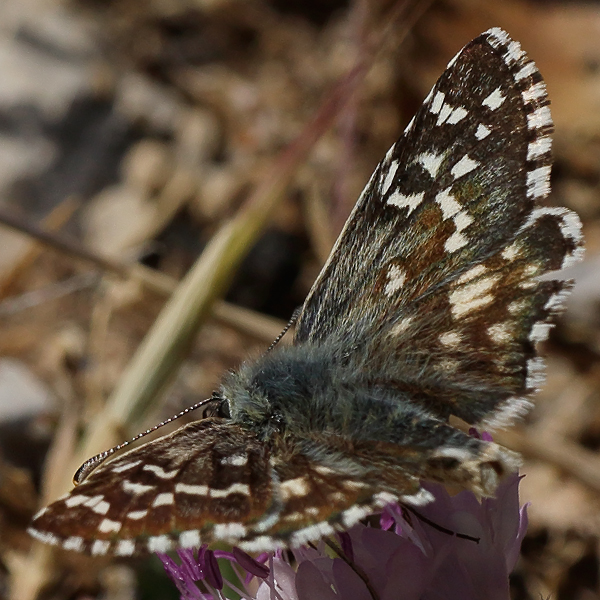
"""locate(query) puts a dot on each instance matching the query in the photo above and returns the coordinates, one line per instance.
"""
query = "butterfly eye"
(223, 409)
(217, 407)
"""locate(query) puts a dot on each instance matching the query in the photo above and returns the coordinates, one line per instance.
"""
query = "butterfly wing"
(211, 481)
(205, 476)
(438, 263)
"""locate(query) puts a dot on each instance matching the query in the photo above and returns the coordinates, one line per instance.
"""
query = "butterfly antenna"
(92, 463)
(289, 325)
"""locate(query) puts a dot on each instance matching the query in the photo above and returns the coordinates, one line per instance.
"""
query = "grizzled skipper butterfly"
(430, 305)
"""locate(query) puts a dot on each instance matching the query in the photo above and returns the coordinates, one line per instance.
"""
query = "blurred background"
(133, 131)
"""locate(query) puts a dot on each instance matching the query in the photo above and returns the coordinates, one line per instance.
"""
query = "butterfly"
(429, 306)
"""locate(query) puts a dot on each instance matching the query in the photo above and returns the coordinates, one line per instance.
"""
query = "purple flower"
(201, 566)
(455, 547)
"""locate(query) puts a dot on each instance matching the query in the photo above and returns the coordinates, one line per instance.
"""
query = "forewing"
(457, 188)
(435, 278)
(206, 481)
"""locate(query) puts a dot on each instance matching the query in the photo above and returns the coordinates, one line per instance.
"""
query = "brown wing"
(214, 481)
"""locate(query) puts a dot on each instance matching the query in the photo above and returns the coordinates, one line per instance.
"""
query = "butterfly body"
(430, 306)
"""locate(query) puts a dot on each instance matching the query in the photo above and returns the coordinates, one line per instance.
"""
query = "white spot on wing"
(535, 92)
(108, 526)
(540, 117)
(43, 536)
(517, 307)
(263, 543)
(507, 412)
(444, 114)
(159, 543)
(539, 147)
(194, 490)
(421, 498)
(482, 132)
(438, 102)
(294, 517)
(450, 339)
(538, 182)
(495, 99)
(74, 543)
(570, 225)
(458, 114)
(164, 499)
(125, 548)
(571, 258)
(497, 37)
(190, 539)
(472, 296)
(297, 487)
(388, 154)
(136, 514)
(463, 166)
(526, 71)
(101, 508)
(431, 162)
(401, 201)
(511, 252)
(461, 454)
(135, 488)
(336, 497)
(39, 513)
(447, 203)
(228, 531)
(396, 278)
(462, 220)
(160, 472)
(76, 500)
(401, 326)
(500, 333)
(126, 466)
(354, 514)
(514, 53)
(472, 273)
(234, 488)
(97, 504)
(100, 547)
(540, 331)
(203, 490)
(324, 471)
(556, 300)
(353, 484)
(267, 522)
(532, 269)
(312, 533)
(389, 178)
(237, 460)
(535, 373)
(455, 242)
